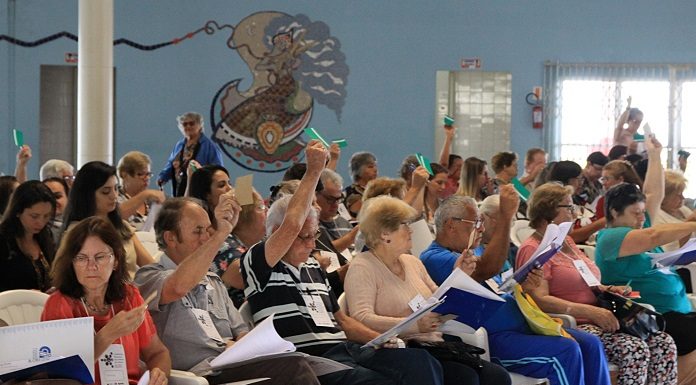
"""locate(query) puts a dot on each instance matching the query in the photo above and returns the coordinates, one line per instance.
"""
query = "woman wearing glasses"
(207, 184)
(91, 278)
(571, 281)
(621, 257)
(383, 282)
(95, 193)
(26, 242)
(134, 197)
(193, 146)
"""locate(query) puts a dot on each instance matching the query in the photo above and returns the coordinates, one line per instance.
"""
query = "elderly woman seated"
(672, 209)
(565, 289)
(621, 257)
(383, 282)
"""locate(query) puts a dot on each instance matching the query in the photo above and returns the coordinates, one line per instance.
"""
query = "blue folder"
(470, 309)
(67, 368)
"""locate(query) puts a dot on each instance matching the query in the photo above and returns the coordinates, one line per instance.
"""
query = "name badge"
(585, 273)
(416, 302)
(206, 323)
(317, 310)
(112, 366)
(335, 264)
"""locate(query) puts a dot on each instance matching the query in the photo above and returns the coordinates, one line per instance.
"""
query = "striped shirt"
(279, 290)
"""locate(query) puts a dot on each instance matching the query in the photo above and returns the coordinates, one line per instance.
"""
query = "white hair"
(53, 168)
(454, 206)
(276, 214)
(329, 176)
(490, 205)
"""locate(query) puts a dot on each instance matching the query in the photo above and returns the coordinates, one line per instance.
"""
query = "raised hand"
(316, 156)
(419, 177)
(227, 212)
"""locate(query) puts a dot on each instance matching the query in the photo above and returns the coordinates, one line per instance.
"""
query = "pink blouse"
(563, 278)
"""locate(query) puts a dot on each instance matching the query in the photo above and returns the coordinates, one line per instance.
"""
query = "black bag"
(634, 319)
(456, 351)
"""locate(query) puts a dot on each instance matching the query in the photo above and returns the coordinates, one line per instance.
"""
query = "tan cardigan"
(377, 297)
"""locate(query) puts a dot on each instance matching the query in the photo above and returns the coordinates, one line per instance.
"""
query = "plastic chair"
(245, 312)
(588, 250)
(149, 241)
(520, 231)
(479, 338)
(21, 306)
(25, 306)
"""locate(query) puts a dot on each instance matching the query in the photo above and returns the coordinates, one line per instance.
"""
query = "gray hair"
(53, 169)
(358, 161)
(490, 205)
(329, 176)
(195, 116)
(454, 206)
(276, 214)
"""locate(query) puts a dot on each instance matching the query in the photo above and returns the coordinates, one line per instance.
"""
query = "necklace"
(93, 308)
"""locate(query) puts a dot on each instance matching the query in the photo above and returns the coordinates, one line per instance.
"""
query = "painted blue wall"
(393, 50)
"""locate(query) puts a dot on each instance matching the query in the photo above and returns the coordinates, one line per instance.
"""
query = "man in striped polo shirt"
(282, 278)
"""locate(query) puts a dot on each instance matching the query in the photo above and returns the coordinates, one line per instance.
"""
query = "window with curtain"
(584, 101)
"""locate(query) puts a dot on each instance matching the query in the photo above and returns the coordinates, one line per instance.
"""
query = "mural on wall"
(295, 62)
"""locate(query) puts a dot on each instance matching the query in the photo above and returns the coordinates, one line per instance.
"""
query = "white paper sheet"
(151, 216)
(425, 308)
(262, 340)
(668, 258)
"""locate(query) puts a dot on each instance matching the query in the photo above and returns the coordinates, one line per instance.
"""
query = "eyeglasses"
(477, 223)
(144, 174)
(261, 207)
(100, 259)
(69, 178)
(572, 208)
(190, 123)
(333, 200)
(312, 237)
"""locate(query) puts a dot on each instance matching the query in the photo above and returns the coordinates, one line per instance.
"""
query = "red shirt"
(60, 306)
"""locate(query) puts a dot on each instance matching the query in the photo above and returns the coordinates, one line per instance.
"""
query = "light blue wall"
(393, 49)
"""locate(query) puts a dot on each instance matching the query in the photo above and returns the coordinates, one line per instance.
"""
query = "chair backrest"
(520, 231)
(588, 250)
(245, 312)
(343, 303)
(21, 306)
(149, 242)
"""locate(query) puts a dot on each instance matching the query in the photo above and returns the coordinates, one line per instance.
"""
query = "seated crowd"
(333, 262)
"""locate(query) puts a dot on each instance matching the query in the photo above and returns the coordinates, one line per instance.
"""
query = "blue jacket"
(208, 153)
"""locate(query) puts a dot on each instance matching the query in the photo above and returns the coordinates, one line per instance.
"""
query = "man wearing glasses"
(282, 278)
(459, 228)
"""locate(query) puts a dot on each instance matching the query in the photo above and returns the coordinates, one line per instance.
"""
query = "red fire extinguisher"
(537, 110)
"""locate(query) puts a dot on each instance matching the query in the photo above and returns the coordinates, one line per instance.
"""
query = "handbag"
(540, 322)
(456, 351)
(634, 318)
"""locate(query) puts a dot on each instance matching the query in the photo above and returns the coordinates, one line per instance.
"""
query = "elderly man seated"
(511, 341)
(282, 278)
(194, 315)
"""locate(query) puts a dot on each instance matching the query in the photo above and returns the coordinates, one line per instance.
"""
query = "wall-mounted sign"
(471, 63)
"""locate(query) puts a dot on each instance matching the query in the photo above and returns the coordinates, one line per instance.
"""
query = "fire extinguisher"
(537, 110)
